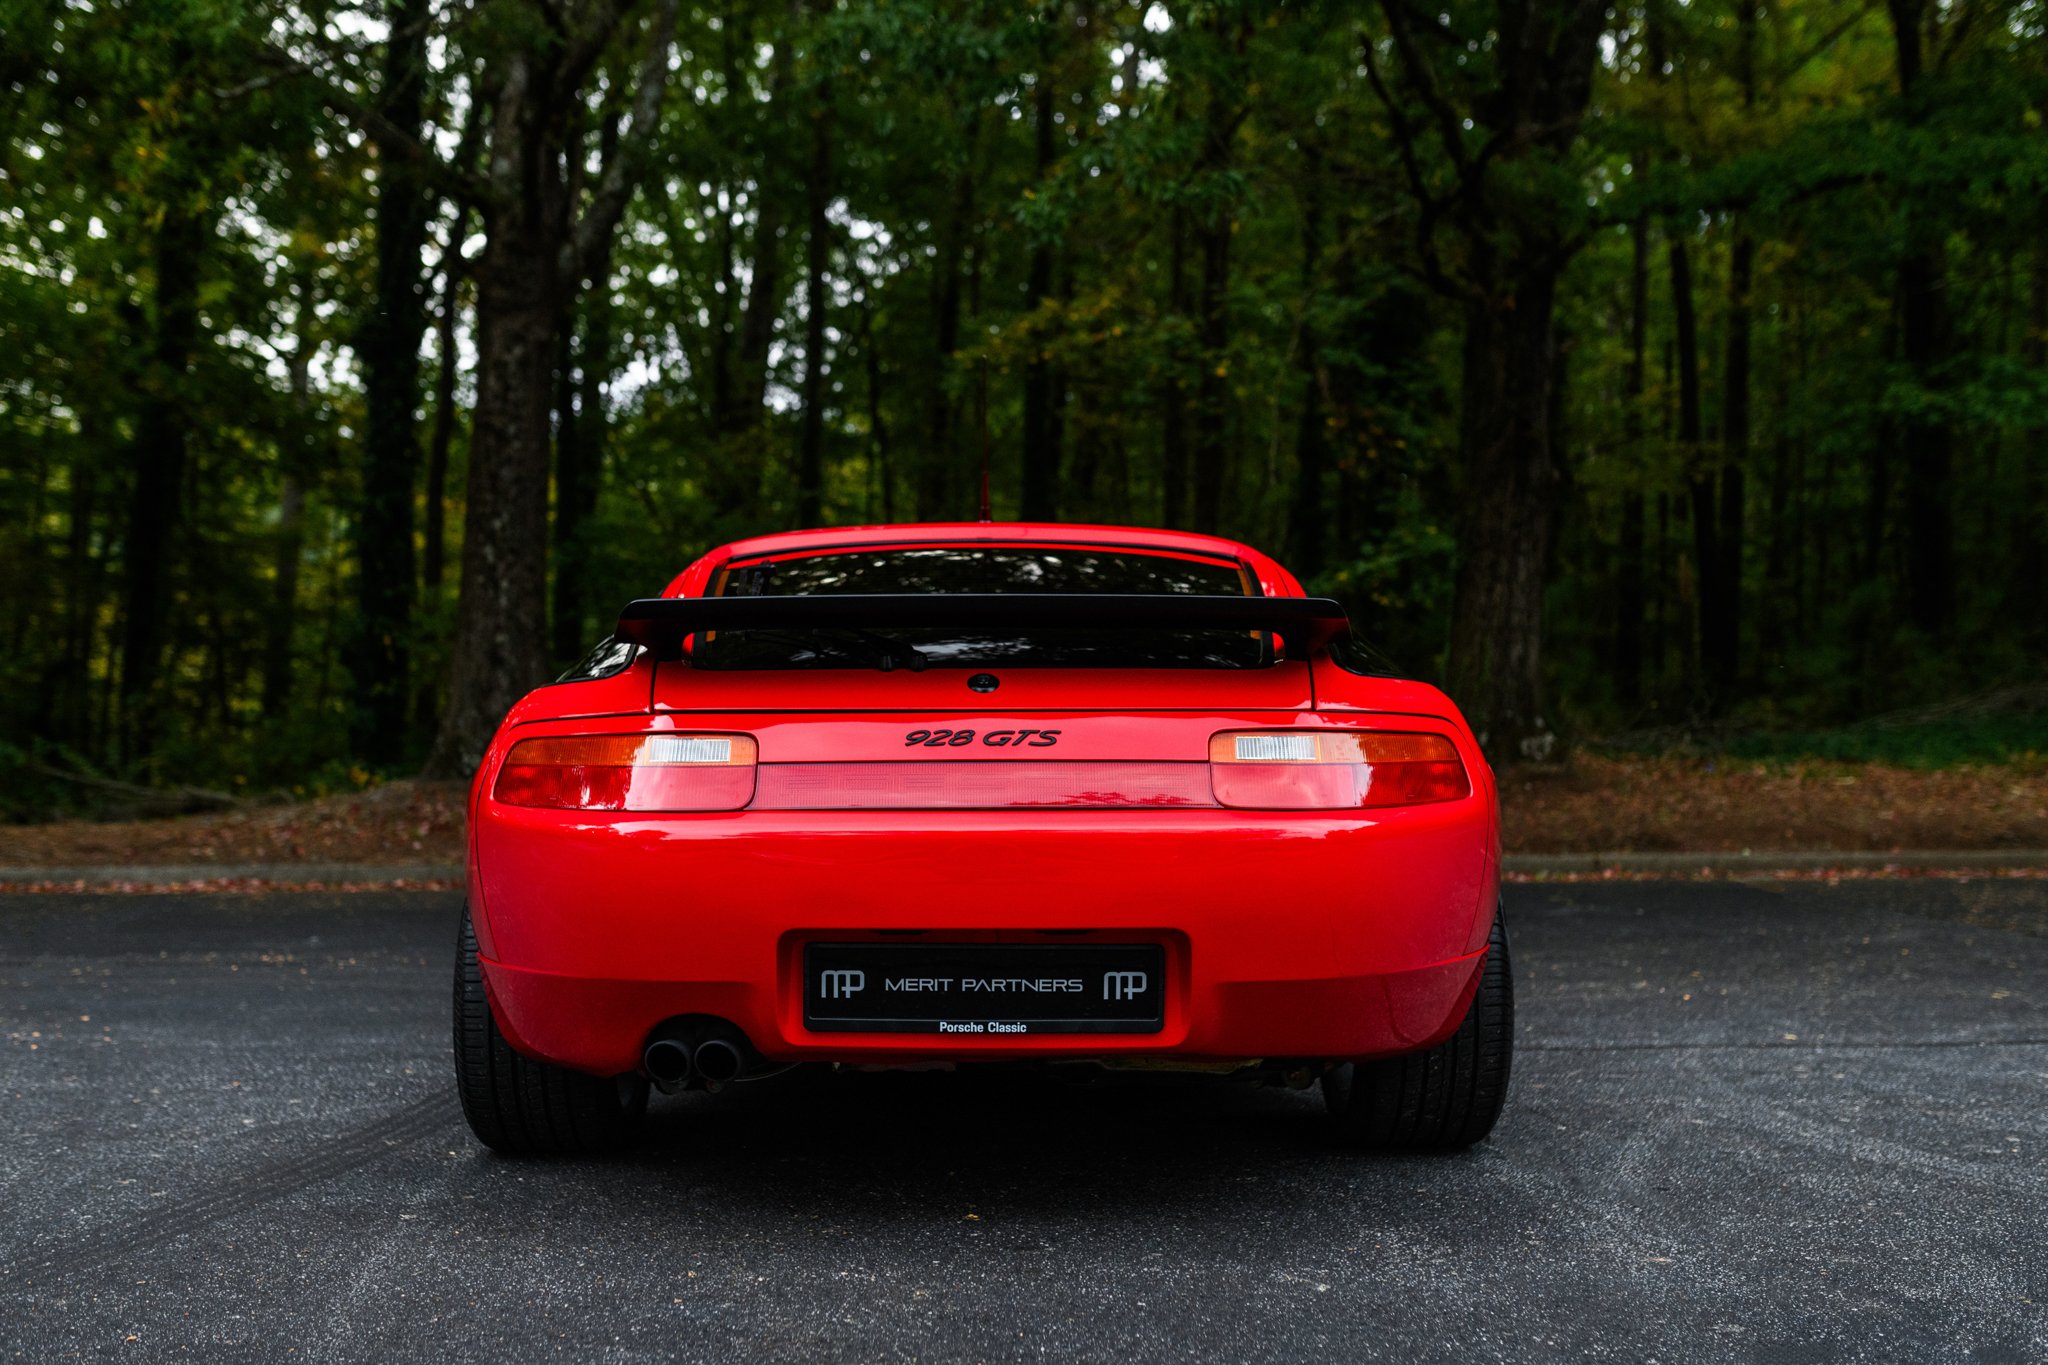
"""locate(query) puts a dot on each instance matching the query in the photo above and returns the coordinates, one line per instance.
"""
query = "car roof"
(1271, 577)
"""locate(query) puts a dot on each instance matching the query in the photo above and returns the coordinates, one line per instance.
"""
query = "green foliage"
(2014, 739)
(1227, 217)
(1986, 736)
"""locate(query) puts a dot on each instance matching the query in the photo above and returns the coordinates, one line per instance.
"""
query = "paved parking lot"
(1748, 1122)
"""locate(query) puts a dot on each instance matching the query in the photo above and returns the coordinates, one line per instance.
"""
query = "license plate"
(984, 989)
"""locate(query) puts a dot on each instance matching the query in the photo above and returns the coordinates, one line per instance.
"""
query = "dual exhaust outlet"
(710, 1057)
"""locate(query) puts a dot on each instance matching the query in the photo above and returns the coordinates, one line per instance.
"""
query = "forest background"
(1642, 373)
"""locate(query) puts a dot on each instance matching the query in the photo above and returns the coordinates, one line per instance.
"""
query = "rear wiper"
(886, 653)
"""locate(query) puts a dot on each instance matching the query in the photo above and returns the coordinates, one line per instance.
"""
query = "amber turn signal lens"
(1334, 769)
(630, 772)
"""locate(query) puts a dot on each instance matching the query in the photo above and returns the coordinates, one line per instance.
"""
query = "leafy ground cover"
(2002, 725)
(1595, 804)
(398, 822)
(1591, 804)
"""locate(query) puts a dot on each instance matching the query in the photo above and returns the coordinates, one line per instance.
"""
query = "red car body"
(1296, 935)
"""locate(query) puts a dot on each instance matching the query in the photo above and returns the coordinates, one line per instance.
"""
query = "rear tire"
(1448, 1097)
(521, 1107)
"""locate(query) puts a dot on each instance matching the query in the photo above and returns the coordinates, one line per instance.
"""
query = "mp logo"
(841, 985)
(1123, 985)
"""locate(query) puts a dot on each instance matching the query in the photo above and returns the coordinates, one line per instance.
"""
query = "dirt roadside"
(1589, 805)
(1690, 805)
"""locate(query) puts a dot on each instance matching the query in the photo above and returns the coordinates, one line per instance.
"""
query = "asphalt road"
(1747, 1123)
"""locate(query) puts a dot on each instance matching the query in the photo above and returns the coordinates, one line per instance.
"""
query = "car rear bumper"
(1286, 935)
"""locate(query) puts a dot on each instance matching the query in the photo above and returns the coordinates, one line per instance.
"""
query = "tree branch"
(1422, 75)
(1651, 204)
(1404, 133)
(1822, 44)
(615, 187)
(1434, 26)
(588, 45)
(392, 141)
(452, 259)
(1429, 205)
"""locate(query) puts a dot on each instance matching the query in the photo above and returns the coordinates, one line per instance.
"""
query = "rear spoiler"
(1304, 624)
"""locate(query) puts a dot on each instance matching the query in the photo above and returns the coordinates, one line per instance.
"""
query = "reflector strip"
(1276, 749)
(973, 785)
(629, 772)
(686, 749)
(1334, 769)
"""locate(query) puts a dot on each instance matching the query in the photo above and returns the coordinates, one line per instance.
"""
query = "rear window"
(983, 569)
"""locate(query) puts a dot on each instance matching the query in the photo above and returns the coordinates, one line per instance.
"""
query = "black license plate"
(984, 989)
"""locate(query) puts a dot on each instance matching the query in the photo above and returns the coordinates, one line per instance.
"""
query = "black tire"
(1448, 1097)
(521, 1107)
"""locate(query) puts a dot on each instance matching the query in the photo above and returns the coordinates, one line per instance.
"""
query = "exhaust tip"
(718, 1060)
(667, 1060)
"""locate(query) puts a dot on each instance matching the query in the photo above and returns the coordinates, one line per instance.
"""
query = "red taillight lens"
(630, 772)
(1334, 769)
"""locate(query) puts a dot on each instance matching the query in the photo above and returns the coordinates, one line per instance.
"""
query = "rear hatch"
(1280, 686)
(835, 739)
(983, 675)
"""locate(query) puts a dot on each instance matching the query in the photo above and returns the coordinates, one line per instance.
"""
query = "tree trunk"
(937, 489)
(1212, 387)
(878, 427)
(499, 650)
(1802, 490)
(1212, 396)
(764, 289)
(1925, 437)
(1721, 651)
(159, 455)
(30, 565)
(1779, 607)
(1514, 250)
(810, 464)
(284, 597)
(389, 345)
(1511, 480)
(741, 373)
(1173, 426)
(1868, 560)
(593, 426)
(1700, 501)
(2032, 566)
(568, 467)
(1311, 436)
(433, 555)
(536, 249)
(564, 624)
(1628, 569)
(72, 711)
(1924, 343)
(1039, 487)
(1928, 442)
(734, 91)
(296, 456)
(579, 444)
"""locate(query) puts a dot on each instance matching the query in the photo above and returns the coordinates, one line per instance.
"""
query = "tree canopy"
(1617, 366)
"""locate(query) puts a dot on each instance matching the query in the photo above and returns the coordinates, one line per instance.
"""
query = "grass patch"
(2003, 726)
(1948, 742)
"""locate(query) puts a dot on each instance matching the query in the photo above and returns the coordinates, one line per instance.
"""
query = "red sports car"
(907, 795)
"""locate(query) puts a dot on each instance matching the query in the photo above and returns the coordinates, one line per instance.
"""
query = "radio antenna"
(981, 407)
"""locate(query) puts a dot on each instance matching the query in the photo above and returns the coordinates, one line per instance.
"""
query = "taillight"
(630, 772)
(1333, 769)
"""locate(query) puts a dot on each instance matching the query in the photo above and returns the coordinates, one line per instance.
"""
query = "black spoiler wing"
(1304, 624)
